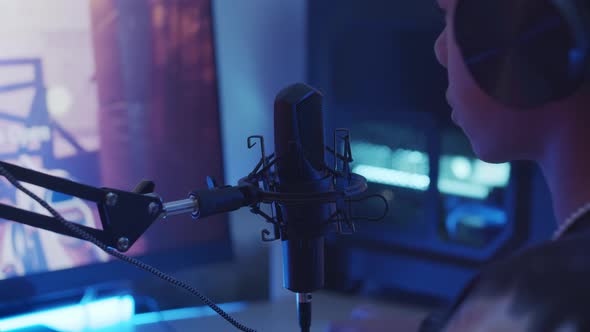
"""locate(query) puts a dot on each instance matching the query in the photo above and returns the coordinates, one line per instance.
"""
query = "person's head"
(500, 133)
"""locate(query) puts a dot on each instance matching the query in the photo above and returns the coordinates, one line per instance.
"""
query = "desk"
(281, 315)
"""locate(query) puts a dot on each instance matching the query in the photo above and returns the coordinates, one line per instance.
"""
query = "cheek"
(487, 124)
(462, 87)
(496, 132)
(481, 117)
(463, 90)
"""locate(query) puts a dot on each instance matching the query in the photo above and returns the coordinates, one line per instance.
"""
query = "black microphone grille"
(299, 106)
(296, 93)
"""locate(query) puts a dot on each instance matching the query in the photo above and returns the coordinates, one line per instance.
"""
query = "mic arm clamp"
(124, 215)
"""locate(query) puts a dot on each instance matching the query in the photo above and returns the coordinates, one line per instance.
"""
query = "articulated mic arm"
(124, 215)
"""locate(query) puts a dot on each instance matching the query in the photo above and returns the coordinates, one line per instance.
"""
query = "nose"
(440, 48)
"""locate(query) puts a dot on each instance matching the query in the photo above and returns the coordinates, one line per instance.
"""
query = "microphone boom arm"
(124, 215)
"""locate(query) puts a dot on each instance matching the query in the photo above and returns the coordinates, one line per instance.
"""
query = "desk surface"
(281, 315)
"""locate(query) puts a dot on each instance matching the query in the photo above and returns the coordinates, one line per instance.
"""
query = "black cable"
(304, 316)
(304, 311)
(370, 219)
(83, 234)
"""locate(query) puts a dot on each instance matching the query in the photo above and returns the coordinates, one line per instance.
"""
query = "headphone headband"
(525, 53)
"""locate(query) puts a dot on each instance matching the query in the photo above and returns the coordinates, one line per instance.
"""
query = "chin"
(491, 154)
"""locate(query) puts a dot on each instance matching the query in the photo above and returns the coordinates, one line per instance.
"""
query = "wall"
(260, 47)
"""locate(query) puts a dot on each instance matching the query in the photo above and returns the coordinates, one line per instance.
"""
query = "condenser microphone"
(301, 168)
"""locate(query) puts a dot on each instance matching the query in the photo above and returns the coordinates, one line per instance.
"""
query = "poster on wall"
(63, 112)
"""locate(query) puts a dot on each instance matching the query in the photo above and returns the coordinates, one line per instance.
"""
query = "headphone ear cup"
(517, 51)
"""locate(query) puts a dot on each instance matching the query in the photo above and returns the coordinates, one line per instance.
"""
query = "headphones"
(525, 53)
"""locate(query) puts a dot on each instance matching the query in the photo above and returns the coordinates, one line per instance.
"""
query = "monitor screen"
(396, 159)
(106, 93)
(442, 199)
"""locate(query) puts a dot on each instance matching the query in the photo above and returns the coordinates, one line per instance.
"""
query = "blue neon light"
(185, 313)
(420, 182)
(78, 317)
(459, 175)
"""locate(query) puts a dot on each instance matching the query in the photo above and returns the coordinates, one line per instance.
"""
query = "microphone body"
(300, 168)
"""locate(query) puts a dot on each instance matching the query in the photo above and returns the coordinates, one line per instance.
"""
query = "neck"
(566, 168)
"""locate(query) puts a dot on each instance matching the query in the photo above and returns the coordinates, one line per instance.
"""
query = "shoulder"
(542, 264)
(545, 285)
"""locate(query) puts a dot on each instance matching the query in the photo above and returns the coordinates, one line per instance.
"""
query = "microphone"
(301, 168)
(308, 197)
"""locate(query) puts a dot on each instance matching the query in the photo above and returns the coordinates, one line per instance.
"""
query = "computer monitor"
(106, 93)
